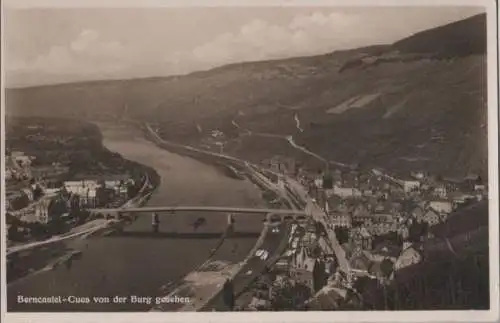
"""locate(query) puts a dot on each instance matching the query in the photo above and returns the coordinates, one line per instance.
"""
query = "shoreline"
(229, 271)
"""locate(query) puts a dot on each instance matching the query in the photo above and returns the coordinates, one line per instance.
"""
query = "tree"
(319, 275)
(290, 297)
(417, 230)
(328, 181)
(80, 215)
(13, 232)
(386, 267)
(132, 190)
(38, 230)
(37, 192)
(342, 234)
(20, 202)
(228, 294)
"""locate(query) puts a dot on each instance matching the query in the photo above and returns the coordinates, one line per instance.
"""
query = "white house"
(92, 184)
(111, 183)
(431, 217)
(408, 257)
(217, 133)
(81, 187)
(440, 191)
(341, 220)
(42, 211)
(346, 191)
(441, 206)
(23, 161)
(479, 187)
(418, 175)
(123, 190)
(410, 185)
(52, 191)
(318, 182)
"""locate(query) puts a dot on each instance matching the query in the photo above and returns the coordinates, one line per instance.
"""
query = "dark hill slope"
(458, 39)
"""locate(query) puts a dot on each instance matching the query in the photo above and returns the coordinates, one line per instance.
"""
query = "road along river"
(137, 262)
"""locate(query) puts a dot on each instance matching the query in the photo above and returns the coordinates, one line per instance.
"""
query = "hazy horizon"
(54, 45)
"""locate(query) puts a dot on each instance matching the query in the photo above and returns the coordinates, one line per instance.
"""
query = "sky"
(59, 45)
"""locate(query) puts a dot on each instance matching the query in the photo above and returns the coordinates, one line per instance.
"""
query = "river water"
(139, 263)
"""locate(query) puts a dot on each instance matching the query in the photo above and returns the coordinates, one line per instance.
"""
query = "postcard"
(234, 161)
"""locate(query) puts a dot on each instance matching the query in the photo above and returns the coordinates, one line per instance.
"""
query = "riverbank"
(204, 286)
(69, 242)
(134, 262)
(76, 147)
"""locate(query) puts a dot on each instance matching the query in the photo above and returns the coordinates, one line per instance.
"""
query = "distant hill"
(418, 103)
(458, 39)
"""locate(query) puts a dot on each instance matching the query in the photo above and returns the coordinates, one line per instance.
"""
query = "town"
(54, 172)
(380, 222)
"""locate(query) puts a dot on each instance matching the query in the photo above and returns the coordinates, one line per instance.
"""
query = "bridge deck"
(198, 209)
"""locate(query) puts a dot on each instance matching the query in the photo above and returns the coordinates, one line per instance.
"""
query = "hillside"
(418, 103)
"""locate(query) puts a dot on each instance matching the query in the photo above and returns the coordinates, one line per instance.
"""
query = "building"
(382, 226)
(404, 231)
(346, 191)
(360, 211)
(82, 187)
(410, 256)
(431, 217)
(257, 304)
(42, 211)
(302, 268)
(418, 175)
(367, 192)
(52, 190)
(112, 184)
(21, 159)
(441, 206)
(318, 182)
(440, 191)
(90, 200)
(361, 238)
(410, 185)
(342, 220)
(459, 198)
(479, 188)
(283, 264)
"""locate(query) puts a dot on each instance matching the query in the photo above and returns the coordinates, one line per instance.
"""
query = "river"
(138, 263)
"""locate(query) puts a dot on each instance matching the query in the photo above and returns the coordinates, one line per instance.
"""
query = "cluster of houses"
(308, 262)
(17, 166)
(71, 195)
(374, 207)
(382, 217)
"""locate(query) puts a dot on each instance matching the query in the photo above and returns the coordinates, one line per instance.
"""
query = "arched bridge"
(273, 215)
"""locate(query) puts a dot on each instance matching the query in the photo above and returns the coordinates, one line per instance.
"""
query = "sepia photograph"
(294, 160)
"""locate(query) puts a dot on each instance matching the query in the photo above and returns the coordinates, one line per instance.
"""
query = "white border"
(400, 316)
(240, 3)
